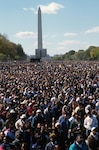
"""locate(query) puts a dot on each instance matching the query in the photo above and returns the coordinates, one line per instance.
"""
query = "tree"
(10, 50)
(72, 52)
(2, 57)
(94, 53)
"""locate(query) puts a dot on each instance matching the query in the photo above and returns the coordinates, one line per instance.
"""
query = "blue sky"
(67, 24)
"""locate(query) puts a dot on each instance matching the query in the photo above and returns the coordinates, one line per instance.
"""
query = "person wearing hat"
(13, 115)
(20, 122)
(38, 118)
(93, 139)
(59, 136)
(51, 145)
(23, 106)
(29, 109)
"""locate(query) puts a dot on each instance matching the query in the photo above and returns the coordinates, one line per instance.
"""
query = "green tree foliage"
(2, 57)
(92, 53)
(10, 50)
(80, 55)
(72, 52)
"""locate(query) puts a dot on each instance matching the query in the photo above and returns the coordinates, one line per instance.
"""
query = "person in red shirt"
(30, 109)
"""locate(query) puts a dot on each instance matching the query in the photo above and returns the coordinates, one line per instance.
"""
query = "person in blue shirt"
(79, 144)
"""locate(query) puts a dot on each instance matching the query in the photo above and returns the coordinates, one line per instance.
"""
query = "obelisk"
(39, 29)
(40, 52)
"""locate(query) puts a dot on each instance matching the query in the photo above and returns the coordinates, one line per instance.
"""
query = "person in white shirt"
(90, 121)
(20, 122)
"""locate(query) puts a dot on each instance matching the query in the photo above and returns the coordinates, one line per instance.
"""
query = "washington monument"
(40, 52)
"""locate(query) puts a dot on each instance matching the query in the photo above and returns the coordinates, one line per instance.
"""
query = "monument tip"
(39, 8)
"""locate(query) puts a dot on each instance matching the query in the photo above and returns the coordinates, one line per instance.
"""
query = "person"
(51, 145)
(6, 145)
(93, 139)
(78, 144)
(75, 127)
(64, 126)
(59, 136)
(38, 118)
(17, 141)
(47, 115)
(90, 121)
(20, 122)
(30, 109)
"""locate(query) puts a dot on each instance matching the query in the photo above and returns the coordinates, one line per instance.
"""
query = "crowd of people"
(49, 105)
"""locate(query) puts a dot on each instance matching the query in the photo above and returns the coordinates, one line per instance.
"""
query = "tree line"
(92, 53)
(10, 51)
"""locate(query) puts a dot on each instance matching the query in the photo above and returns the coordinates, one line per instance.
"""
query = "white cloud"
(51, 8)
(26, 9)
(70, 34)
(30, 9)
(26, 34)
(93, 30)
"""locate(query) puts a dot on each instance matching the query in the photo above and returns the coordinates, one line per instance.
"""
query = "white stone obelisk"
(39, 29)
(40, 52)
